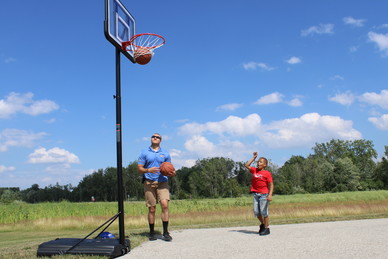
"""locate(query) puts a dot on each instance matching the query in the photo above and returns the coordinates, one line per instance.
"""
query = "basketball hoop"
(143, 45)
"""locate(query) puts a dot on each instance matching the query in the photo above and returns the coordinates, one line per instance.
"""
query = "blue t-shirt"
(150, 158)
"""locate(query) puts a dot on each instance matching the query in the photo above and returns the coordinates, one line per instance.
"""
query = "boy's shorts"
(260, 204)
(155, 192)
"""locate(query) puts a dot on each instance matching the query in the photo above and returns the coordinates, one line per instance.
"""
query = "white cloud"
(232, 125)
(337, 77)
(189, 163)
(179, 163)
(380, 122)
(353, 48)
(200, 143)
(54, 155)
(375, 98)
(182, 121)
(270, 98)
(9, 60)
(229, 107)
(63, 174)
(307, 130)
(381, 41)
(344, 98)
(278, 98)
(294, 60)
(18, 138)
(58, 169)
(320, 29)
(212, 139)
(175, 152)
(355, 22)
(24, 103)
(200, 146)
(51, 121)
(296, 102)
(6, 169)
(41, 107)
(254, 65)
(383, 26)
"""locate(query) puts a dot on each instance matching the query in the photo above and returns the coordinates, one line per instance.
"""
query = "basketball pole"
(119, 150)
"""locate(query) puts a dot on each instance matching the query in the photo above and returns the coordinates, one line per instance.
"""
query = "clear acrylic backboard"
(119, 26)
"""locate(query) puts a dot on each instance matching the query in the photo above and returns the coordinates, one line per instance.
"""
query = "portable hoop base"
(103, 247)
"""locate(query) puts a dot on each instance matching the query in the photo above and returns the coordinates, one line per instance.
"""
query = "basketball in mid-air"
(143, 55)
(167, 169)
(143, 59)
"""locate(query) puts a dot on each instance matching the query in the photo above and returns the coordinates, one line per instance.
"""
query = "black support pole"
(119, 151)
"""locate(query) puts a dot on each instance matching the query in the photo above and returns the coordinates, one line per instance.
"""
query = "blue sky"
(234, 77)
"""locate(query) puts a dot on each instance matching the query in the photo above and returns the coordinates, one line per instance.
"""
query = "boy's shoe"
(167, 237)
(262, 227)
(152, 237)
(264, 232)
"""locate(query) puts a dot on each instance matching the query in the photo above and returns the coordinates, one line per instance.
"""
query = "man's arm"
(142, 170)
(270, 191)
(248, 164)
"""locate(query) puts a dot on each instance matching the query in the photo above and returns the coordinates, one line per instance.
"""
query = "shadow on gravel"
(146, 234)
(245, 231)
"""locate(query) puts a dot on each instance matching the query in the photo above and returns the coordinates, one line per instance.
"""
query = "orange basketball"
(142, 55)
(166, 168)
(143, 59)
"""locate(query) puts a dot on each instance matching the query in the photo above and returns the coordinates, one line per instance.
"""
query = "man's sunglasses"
(156, 137)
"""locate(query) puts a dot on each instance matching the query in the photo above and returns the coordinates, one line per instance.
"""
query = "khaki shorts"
(155, 192)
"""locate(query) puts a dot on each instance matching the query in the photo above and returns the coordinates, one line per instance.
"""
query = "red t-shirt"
(260, 180)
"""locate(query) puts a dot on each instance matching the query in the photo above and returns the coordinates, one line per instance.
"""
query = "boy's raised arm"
(248, 164)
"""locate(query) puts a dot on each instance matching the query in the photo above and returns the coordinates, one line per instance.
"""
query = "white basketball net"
(147, 41)
(143, 44)
(140, 51)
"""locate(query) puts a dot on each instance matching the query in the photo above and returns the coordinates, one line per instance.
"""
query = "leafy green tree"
(380, 175)
(32, 194)
(282, 187)
(180, 184)
(209, 177)
(332, 150)
(233, 189)
(243, 177)
(109, 185)
(290, 175)
(133, 186)
(316, 171)
(361, 152)
(9, 195)
(91, 185)
(346, 175)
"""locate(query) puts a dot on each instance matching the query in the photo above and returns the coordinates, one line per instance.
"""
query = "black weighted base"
(103, 247)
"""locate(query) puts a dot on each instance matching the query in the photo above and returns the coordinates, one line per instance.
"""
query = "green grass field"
(24, 226)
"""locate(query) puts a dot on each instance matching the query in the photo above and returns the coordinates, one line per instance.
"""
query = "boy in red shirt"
(262, 188)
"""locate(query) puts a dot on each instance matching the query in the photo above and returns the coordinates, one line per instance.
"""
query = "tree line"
(335, 166)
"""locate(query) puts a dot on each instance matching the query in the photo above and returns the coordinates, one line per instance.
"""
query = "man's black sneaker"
(167, 237)
(262, 227)
(152, 237)
(264, 232)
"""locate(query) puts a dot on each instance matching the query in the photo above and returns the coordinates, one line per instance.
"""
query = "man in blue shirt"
(156, 187)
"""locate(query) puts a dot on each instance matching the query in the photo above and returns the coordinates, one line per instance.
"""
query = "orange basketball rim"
(143, 44)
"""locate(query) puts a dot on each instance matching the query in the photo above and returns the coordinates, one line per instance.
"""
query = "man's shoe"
(262, 227)
(264, 232)
(167, 237)
(152, 237)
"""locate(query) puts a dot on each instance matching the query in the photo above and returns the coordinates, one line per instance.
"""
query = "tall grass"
(24, 226)
(23, 212)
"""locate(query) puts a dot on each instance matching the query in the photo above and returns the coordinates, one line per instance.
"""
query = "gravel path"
(340, 239)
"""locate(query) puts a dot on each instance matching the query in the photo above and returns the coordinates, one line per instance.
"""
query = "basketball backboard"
(119, 25)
